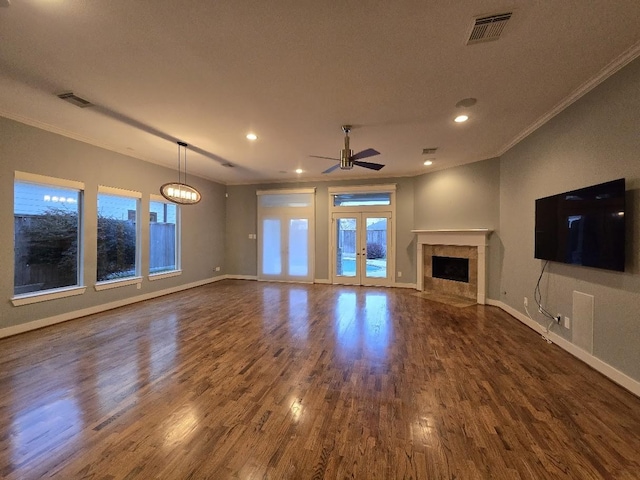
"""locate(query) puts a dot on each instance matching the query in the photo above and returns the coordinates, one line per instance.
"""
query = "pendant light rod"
(183, 145)
(185, 164)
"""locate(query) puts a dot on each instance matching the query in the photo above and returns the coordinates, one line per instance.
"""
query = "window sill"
(117, 283)
(159, 276)
(29, 298)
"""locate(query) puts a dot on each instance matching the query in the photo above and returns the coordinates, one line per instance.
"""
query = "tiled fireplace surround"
(470, 243)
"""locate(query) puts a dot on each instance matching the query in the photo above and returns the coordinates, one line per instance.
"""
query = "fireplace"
(467, 249)
(450, 268)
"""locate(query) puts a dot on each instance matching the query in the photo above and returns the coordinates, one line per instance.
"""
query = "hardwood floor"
(256, 380)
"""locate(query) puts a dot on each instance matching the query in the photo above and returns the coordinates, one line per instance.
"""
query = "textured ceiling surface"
(293, 72)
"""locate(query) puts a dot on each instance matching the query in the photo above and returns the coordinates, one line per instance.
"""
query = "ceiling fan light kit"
(348, 159)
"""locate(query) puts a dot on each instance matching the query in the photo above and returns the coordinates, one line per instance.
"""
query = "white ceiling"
(293, 71)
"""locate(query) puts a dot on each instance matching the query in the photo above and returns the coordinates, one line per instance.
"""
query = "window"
(118, 237)
(163, 236)
(47, 233)
(361, 199)
(285, 200)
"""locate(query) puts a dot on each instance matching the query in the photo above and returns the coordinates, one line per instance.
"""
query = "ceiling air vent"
(75, 100)
(488, 28)
(429, 151)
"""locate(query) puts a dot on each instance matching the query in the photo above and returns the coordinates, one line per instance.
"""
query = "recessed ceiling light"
(298, 170)
(252, 136)
(461, 118)
(428, 162)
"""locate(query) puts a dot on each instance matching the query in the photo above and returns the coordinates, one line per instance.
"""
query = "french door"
(361, 248)
(286, 235)
(285, 248)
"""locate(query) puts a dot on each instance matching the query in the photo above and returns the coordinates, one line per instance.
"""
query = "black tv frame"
(584, 227)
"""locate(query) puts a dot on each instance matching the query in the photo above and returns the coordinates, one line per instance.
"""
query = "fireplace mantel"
(474, 237)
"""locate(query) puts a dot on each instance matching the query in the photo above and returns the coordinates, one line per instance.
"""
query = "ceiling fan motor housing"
(345, 159)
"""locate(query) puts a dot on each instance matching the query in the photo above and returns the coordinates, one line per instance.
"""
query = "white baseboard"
(241, 277)
(64, 317)
(405, 285)
(326, 281)
(604, 368)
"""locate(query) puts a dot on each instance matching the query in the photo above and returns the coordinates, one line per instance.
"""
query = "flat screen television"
(583, 227)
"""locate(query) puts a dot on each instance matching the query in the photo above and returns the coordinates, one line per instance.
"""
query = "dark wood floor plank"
(256, 380)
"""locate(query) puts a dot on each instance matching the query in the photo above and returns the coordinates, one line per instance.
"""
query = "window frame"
(62, 292)
(178, 241)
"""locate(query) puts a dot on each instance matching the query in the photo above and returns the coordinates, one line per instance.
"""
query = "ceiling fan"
(348, 159)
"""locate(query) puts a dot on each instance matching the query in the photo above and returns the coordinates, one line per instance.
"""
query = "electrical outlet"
(526, 302)
(558, 318)
(567, 323)
(217, 269)
(399, 274)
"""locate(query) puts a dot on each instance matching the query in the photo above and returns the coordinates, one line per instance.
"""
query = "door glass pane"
(376, 247)
(271, 256)
(346, 247)
(299, 247)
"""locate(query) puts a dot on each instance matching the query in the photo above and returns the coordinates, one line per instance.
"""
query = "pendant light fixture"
(180, 192)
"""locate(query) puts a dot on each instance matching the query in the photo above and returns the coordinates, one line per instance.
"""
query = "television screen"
(583, 227)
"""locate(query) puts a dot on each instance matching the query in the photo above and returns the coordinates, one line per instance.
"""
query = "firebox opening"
(451, 268)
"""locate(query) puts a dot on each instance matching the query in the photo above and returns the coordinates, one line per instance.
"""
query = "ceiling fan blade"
(372, 166)
(331, 169)
(369, 152)
(326, 158)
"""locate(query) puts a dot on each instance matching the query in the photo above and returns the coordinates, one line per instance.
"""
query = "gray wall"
(464, 197)
(242, 217)
(595, 140)
(32, 150)
(241, 256)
